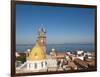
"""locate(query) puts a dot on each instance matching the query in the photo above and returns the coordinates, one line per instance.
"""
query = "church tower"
(36, 60)
(42, 38)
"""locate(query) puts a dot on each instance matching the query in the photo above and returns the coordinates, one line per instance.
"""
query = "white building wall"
(36, 65)
(81, 57)
(52, 63)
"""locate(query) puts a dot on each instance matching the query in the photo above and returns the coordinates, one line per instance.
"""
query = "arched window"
(45, 63)
(42, 64)
(35, 65)
(35, 54)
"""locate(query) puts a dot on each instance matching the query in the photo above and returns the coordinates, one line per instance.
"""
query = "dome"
(36, 53)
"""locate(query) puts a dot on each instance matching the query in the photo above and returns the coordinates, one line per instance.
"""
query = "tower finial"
(42, 29)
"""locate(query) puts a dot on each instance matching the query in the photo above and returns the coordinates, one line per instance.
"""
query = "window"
(35, 54)
(42, 64)
(35, 65)
(45, 63)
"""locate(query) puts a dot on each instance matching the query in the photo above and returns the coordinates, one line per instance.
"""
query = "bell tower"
(42, 38)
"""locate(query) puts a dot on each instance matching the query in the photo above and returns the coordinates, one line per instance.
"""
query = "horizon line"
(58, 43)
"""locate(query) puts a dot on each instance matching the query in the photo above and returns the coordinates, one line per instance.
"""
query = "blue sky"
(63, 24)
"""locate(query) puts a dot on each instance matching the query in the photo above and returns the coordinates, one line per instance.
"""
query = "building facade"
(36, 58)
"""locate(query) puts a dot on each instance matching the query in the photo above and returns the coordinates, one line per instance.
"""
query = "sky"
(63, 24)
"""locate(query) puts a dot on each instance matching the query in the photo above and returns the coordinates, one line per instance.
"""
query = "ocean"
(58, 47)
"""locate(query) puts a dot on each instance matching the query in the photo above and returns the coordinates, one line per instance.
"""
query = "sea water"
(58, 47)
